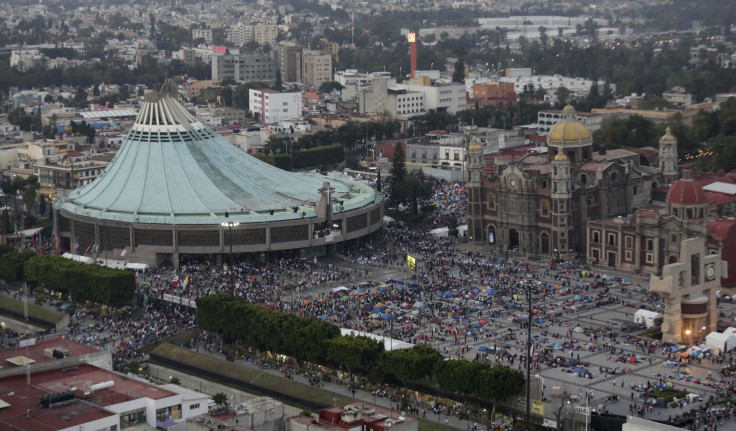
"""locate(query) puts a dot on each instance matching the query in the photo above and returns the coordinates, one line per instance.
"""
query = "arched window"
(545, 208)
(583, 178)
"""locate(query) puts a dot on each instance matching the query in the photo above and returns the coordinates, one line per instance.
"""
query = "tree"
(220, 399)
(227, 95)
(355, 353)
(175, 380)
(329, 86)
(124, 92)
(563, 95)
(279, 85)
(458, 75)
(29, 196)
(398, 168)
(412, 365)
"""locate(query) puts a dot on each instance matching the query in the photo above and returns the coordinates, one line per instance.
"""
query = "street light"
(230, 225)
(528, 353)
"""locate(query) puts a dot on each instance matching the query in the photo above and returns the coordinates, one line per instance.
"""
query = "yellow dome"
(560, 158)
(568, 108)
(668, 137)
(569, 132)
(475, 147)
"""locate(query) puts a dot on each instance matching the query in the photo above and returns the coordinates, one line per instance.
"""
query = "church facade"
(539, 204)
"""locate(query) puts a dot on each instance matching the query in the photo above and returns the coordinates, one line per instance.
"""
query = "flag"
(96, 250)
(186, 281)
(76, 247)
(89, 249)
(454, 335)
(125, 251)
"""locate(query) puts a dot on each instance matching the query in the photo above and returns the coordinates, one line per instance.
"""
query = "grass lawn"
(265, 380)
(33, 310)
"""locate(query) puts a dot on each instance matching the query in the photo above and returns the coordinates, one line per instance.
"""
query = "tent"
(136, 266)
(646, 317)
(78, 258)
(462, 230)
(578, 329)
(388, 220)
(440, 232)
(718, 340)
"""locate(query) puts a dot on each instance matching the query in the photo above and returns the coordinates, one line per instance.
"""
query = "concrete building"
(548, 118)
(689, 287)
(272, 106)
(195, 88)
(699, 204)
(316, 68)
(290, 62)
(77, 390)
(497, 93)
(440, 96)
(25, 59)
(243, 33)
(174, 183)
(245, 67)
(679, 97)
(67, 175)
(538, 204)
(202, 33)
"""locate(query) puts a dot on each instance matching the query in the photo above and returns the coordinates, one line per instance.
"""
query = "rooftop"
(172, 169)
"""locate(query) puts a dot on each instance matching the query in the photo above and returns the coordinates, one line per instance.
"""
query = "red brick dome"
(686, 191)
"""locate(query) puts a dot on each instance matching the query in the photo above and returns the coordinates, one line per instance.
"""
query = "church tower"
(668, 157)
(561, 206)
(475, 204)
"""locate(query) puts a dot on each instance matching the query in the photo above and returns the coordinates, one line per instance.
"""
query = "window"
(491, 201)
(611, 239)
(673, 238)
(674, 212)
(650, 245)
(695, 269)
(636, 190)
(628, 255)
(583, 178)
(650, 258)
(629, 240)
(545, 208)
(193, 406)
(596, 237)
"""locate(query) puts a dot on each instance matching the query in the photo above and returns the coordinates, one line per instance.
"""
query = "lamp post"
(230, 225)
(528, 353)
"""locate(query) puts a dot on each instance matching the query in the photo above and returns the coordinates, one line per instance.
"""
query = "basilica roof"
(173, 169)
(686, 191)
(569, 131)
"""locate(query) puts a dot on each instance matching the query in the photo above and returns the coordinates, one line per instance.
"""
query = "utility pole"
(529, 355)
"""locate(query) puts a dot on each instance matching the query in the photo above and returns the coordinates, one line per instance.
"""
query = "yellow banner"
(411, 262)
(537, 407)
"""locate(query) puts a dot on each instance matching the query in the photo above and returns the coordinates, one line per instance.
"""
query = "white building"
(547, 118)
(25, 59)
(441, 96)
(202, 33)
(271, 106)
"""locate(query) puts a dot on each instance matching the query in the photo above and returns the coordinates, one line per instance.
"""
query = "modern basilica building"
(176, 188)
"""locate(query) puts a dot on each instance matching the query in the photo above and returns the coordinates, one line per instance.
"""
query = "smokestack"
(413, 44)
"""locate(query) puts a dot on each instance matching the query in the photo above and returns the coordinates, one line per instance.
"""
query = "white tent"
(388, 220)
(718, 340)
(136, 266)
(388, 344)
(440, 232)
(78, 258)
(462, 230)
(113, 263)
(646, 317)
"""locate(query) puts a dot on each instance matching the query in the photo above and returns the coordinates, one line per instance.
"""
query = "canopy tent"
(718, 340)
(440, 232)
(78, 258)
(137, 266)
(387, 342)
(388, 220)
(646, 317)
(462, 230)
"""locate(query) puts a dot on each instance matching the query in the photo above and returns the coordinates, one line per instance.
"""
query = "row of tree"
(320, 342)
(84, 282)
